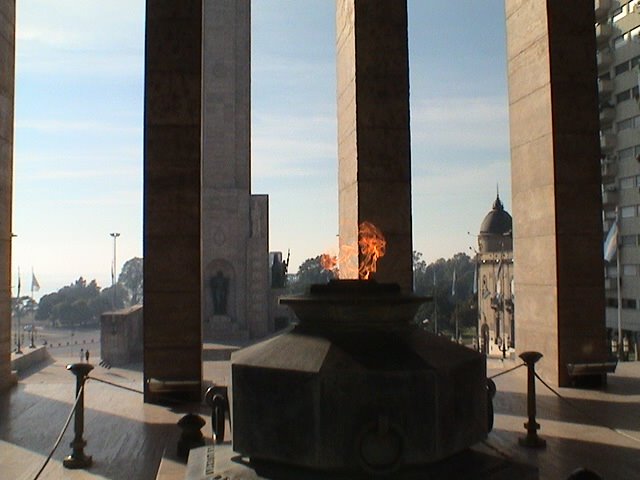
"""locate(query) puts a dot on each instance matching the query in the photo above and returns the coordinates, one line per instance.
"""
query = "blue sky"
(78, 138)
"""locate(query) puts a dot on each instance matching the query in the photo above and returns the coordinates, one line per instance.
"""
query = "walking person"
(81, 355)
(86, 355)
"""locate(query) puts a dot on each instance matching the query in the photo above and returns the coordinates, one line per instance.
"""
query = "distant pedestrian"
(86, 355)
(82, 355)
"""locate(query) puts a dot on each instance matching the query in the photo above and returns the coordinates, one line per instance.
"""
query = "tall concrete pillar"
(7, 75)
(373, 130)
(555, 176)
(172, 329)
(235, 223)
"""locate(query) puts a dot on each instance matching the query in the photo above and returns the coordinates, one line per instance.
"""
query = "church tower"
(495, 282)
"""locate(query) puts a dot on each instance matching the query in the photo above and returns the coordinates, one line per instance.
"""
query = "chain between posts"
(506, 371)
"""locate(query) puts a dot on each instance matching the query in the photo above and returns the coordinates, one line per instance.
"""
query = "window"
(634, 92)
(624, 124)
(618, 13)
(612, 271)
(623, 67)
(630, 270)
(612, 302)
(622, 96)
(628, 212)
(631, 303)
(605, 76)
(627, 182)
(625, 153)
(619, 42)
(629, 240)
(635, 61)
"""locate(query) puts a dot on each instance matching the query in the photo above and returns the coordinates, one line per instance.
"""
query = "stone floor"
(600, 430)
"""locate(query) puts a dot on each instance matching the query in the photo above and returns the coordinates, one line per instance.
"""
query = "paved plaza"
(598, 429)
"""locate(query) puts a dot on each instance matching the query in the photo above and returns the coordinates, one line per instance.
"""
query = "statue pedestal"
(221, 322)
(222, 327)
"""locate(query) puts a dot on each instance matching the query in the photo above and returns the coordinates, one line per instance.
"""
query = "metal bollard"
(78, 459)
(216, 398)
(532, 440)
(191, 436)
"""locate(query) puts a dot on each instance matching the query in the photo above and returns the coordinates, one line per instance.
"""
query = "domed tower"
(495, 230)
(496, 325)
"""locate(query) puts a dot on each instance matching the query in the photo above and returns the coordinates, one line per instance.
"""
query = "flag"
(475, 279)
(18, 294)
(453, 283)
(113, 273)
(35, 286)
(498, 282)
(611, 243)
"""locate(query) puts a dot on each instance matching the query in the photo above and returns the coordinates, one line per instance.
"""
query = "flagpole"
(453, 294)
(19, 333)
(618, 284)
(435, 302)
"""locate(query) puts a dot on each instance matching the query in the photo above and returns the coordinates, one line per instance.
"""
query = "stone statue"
(219, 292)
(279, 270)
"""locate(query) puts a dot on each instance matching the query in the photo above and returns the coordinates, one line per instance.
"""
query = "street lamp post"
(115, 236)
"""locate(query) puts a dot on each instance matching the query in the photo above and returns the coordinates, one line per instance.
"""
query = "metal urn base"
(356, 387)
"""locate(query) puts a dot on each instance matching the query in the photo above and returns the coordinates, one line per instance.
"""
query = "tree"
(448, 306)
(131, 278)
(80, 303)
(309, 272)
(23, 306)
(71, 305)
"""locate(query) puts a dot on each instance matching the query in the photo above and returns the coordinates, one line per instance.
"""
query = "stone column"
(555, 151)
(172, 295)
(226, 163)
(7, 72)
(373, 129)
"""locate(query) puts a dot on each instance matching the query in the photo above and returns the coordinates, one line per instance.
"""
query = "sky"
(79, 127)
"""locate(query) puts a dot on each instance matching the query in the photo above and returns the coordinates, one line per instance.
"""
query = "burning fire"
(328, 262)
(371, 246)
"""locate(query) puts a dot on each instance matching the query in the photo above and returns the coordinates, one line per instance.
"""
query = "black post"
(532, 440)
(78, 459)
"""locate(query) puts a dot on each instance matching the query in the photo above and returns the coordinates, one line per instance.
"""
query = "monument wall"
(555, 175)
(121, 336)
(235, 223)
(7, 74)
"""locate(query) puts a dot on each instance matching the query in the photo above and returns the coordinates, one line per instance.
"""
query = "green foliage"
(310, 272)
(81, 303)
(462, 305)
(23, 306)
(131, 278)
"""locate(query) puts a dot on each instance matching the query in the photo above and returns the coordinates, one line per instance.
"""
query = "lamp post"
(115, 236)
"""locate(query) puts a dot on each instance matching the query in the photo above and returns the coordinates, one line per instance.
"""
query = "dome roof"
(497, 221)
